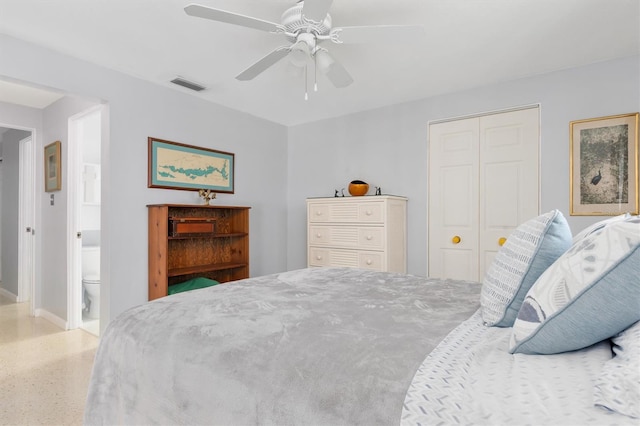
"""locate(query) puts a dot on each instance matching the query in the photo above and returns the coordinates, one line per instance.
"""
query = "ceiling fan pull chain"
(306, 95)
(315, 74)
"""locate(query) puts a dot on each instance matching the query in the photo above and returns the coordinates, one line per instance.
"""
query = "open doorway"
(84, 208)
(26, 220)
(17, 213)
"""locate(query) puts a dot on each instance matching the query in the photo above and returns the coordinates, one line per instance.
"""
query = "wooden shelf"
(176, 272)
(227, 235)
(222, 256)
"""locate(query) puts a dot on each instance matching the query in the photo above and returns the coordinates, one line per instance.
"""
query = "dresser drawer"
(328, 257)
(370, 212)
(370, 237)
(346, 212)
(348, 258)
(371, 260)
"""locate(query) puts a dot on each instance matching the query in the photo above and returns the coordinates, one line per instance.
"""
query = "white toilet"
(91, 279)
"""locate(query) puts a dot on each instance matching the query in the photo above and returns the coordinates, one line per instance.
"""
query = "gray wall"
(54, 227)
(388, 147)
(10, 179)
(137, 110)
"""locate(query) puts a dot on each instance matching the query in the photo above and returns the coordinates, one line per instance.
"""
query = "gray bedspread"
(322, 346)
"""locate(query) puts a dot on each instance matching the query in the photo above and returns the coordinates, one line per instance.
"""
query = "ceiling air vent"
(188, 84)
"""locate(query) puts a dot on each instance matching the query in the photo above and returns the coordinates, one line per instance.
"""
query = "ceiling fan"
(306, 26)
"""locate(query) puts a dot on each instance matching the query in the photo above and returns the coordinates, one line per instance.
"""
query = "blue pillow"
(590, 294)
(530, 249)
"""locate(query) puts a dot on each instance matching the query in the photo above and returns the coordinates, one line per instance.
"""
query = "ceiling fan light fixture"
(324, 61)
(299, 54)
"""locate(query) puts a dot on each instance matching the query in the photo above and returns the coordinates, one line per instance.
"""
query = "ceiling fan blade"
(376, 34)
(205, 12)
(316, 10)
(335, 72)
(264, 63)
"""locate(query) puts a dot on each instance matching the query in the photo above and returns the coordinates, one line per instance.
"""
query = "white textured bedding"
(471, 378)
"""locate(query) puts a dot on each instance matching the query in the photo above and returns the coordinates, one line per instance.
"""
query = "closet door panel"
(453, 207)
(509, 177)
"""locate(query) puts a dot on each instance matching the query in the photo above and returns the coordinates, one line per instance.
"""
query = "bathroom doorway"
(84, 210)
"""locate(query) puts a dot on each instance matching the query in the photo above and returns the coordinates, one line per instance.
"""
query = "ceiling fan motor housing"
(294, 23)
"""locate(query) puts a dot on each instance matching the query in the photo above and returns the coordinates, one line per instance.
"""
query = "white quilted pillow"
(598, 226)
(618, 386)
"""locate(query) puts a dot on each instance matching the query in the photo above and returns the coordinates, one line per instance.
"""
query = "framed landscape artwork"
(175, 165)
(603, 165)
(52, 170)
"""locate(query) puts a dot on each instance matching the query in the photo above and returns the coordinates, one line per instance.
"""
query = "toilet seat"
(91, 279)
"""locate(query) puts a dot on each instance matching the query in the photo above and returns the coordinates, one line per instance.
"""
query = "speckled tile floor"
(44, 370)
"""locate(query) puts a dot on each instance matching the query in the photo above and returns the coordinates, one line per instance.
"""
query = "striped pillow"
(530, 249)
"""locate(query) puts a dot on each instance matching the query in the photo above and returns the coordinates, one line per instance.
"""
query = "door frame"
(27, 218)
(74, 216)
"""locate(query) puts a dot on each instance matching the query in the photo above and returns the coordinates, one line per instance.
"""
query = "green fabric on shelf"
(193, 284)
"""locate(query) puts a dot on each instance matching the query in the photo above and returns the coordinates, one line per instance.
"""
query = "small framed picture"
(603, 165)
(52, 169)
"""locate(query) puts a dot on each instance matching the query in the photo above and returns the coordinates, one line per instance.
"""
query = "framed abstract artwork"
(603, 165)
(52, 169)
(175, 165)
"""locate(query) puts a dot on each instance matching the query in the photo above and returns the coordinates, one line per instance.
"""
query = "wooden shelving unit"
(222, 255)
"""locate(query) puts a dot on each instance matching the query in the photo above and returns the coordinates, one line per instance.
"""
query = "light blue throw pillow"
(530, 249)
(590, 294)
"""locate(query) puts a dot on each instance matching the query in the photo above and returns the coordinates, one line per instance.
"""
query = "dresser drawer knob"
(368, 212)
(318, 212)
(318, 235)
(369, 237)
(318, 257)
(369, 261)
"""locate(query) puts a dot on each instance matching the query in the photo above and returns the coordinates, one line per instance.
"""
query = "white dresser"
(360, 232)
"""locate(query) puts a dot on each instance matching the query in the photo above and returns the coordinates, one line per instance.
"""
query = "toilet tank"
(91, 261)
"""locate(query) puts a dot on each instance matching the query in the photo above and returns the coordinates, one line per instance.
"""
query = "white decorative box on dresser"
(360, 232)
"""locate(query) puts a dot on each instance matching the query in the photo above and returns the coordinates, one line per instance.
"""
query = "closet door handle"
(501, 241)
(456, 239)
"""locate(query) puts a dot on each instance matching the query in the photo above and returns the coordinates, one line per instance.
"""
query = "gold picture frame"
(52, 167)
(603, 165)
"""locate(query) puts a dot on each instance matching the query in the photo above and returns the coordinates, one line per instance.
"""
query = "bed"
(341, 346)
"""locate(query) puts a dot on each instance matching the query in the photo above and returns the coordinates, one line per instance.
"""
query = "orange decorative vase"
(358, 188)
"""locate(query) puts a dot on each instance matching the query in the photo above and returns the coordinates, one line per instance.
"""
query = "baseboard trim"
(56, 320)
(7, 293)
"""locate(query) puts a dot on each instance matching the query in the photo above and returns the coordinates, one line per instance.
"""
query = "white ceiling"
(467, 43)
(26, 95)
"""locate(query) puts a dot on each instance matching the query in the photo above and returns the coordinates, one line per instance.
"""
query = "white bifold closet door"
(483, 182)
